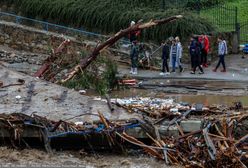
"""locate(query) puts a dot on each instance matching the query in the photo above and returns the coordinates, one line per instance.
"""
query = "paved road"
(237, 70)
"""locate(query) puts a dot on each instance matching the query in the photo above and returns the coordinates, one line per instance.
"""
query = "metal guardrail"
(46, 26)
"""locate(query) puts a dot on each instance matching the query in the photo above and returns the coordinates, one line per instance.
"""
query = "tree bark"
(84, 63)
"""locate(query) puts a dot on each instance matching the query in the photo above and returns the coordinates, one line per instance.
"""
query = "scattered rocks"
(12, 57)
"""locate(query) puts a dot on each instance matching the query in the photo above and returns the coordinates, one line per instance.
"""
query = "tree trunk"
(122, 33)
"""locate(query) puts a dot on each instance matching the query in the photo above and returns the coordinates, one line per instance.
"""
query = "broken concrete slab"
(137, 132)
(191, 125)
(50, 100)
(169, 131)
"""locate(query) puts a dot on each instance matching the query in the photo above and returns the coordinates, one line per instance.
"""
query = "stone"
(136, 132)
(7, 41)
(169, 131)
(2, 40)
(191, 125)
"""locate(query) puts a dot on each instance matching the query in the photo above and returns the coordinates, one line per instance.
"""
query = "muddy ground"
(38, 158)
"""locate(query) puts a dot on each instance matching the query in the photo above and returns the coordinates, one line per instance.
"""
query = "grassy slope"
(112, 15)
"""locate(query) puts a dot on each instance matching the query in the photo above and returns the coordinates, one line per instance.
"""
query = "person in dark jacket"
(196, 55)
(165, 57)
(134, 54)
(192, 49)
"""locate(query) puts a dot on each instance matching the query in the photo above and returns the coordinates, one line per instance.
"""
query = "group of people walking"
(172, 52)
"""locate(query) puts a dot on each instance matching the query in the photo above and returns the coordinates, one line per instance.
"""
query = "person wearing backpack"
(222, 52)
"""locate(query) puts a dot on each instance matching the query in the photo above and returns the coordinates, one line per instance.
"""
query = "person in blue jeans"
(175, 56)
(134, 55)
(222, 51)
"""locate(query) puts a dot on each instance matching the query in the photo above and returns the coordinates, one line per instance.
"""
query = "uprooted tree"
(84, 63)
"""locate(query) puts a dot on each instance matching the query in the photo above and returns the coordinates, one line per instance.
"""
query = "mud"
(33, 158)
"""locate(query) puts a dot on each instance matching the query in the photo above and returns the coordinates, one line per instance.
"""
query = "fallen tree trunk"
(84, 63)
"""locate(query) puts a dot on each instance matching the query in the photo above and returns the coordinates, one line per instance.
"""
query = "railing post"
(18, 20)
(237, 24)
(45, 26)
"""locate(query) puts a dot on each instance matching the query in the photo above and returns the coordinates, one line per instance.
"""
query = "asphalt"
(237, 70)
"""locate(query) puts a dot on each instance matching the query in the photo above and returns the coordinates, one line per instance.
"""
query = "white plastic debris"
(82, 91)
(79, 123)
(193, 108)
(174, 110)
(97, 98)
(18, 97)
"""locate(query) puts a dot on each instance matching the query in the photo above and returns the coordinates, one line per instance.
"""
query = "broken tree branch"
(122, 33)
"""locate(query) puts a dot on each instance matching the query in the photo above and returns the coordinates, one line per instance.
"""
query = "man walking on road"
(222, 51)
(165, 57)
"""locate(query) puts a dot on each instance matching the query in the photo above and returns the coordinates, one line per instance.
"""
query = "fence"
(46, 26)
(244, 33)
(189, 4)
(224, 17)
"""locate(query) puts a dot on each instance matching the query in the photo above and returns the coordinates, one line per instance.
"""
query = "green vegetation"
(112, 15)
(100, 76)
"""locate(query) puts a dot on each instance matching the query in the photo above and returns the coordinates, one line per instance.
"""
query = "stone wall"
(34, 40)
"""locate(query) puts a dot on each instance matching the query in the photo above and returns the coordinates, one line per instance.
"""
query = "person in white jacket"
(176, 55)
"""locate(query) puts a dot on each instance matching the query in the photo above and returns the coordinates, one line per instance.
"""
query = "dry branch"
(122, 33)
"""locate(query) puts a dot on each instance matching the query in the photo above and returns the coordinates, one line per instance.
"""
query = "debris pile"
(152, 107)
(217, 144)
